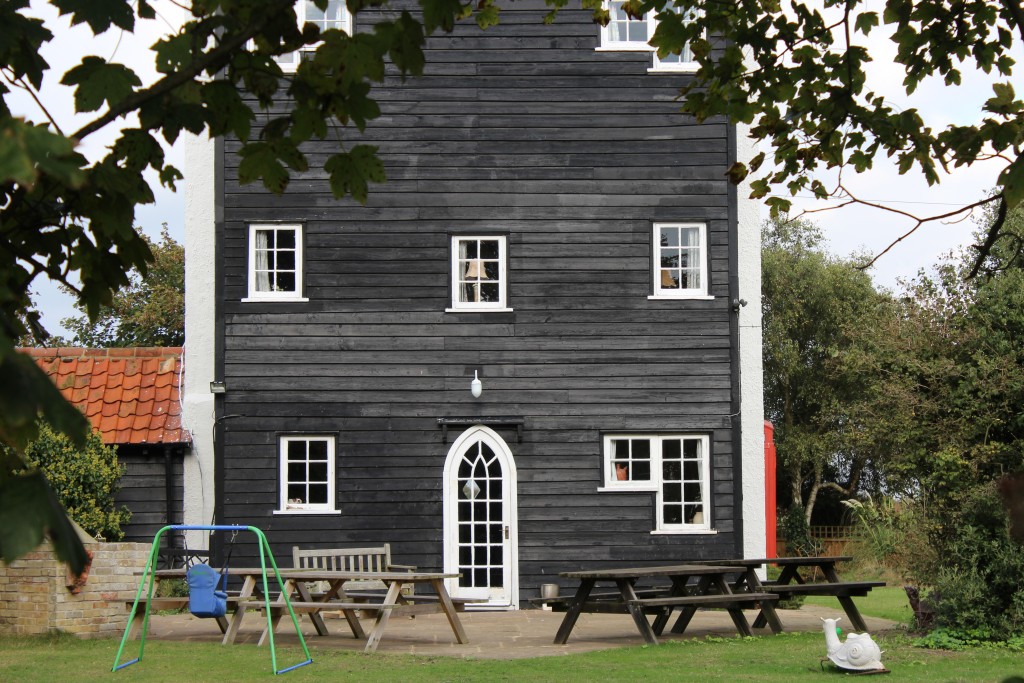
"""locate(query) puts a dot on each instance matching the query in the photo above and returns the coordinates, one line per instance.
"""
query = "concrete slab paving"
(492, 635)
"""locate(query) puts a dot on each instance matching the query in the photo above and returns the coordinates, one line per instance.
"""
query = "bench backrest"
(377, 559)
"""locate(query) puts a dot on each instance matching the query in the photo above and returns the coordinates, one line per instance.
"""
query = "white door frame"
(509, 510)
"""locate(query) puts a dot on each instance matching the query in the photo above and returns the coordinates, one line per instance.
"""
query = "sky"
(848, 230)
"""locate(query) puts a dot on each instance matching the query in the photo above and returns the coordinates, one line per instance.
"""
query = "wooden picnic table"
(792, 582)
(298, 584)
(712, 589)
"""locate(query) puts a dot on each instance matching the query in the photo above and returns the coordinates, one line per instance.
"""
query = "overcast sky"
(848, 230)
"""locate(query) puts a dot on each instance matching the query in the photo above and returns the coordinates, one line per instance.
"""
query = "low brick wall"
(35, 595)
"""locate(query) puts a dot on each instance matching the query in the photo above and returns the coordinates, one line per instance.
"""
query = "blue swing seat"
(204, 598)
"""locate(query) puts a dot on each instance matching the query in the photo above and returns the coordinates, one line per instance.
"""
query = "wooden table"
(712, 589)
(297, 584)
(792, 582)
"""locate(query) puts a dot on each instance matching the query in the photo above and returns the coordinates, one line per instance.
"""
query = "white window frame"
(609, 44)
(656, 483)
(663, 292)
(255, 294)
(686, 63)
(459, 306)
(293, 508)
(301, 7)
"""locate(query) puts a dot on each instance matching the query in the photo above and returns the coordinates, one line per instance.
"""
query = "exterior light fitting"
(476, 387)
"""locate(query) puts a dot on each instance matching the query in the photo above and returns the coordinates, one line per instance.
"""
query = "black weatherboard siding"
(524, 131)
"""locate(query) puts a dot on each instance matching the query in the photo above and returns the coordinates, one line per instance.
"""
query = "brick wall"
(34, 595)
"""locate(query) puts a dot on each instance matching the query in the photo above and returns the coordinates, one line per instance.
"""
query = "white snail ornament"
(858, 653)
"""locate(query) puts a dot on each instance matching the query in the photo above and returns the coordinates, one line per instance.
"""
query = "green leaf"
(737, 172)
(27, 150)
(1012, 182)
(488, 16)
(26, 394)
(100, 14)
(440, 14)
(405, 41)
(28, 511)
(866, 21)
(259, 161)
(99, 81)
(351, 172)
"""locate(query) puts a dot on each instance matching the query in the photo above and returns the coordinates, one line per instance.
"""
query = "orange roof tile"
(129, 395)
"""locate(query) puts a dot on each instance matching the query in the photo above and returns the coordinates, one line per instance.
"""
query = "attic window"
(479, 273)
(623, 32)
(626, 33)
(275, 263)
(336, 16)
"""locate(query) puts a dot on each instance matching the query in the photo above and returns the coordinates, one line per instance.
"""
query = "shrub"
(85, 480)
(975, 572)
(798, 534)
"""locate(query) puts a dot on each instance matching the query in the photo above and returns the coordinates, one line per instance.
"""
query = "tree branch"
(213, 58)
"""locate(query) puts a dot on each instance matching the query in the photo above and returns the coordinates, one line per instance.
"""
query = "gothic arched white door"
(480, 539)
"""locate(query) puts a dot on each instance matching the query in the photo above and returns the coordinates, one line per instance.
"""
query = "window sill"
(624, 47)
(680, 297)
(307, 512)
(478, 310)
(635, 488)
(690, 68)
(684, 532)
(274, 299)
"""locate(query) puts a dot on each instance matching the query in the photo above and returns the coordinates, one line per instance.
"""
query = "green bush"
(798, 534)
(976, 569)
(85, 480)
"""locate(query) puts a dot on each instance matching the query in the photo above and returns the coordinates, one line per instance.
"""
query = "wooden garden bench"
(366, 559)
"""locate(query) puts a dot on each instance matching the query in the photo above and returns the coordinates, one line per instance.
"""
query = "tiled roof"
(130, 395)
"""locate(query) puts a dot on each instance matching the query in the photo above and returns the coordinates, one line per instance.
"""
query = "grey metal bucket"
(549, 591)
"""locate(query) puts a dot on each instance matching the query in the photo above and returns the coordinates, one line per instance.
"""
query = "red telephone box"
(769, 489)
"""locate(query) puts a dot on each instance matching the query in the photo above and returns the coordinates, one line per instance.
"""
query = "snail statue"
(858, 653)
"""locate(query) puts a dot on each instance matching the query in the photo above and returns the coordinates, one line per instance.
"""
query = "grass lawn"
(789, 657)
(784, 658)
(889, 602)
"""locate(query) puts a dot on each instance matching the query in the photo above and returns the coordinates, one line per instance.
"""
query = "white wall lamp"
(476, 387)
(217, 388)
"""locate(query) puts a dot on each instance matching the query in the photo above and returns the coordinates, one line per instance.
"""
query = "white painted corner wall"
(751, 377)
(200, 328)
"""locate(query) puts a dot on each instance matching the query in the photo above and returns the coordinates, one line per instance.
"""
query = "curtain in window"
(262, 263)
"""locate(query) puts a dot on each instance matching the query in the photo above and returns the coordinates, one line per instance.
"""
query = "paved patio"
(494, 635)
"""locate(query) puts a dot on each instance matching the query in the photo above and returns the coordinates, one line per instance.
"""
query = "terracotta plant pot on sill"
(622, 473)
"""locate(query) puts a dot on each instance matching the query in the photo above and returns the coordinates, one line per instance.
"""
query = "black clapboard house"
(552, 226)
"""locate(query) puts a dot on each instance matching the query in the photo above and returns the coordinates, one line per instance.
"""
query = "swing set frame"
(150, 577)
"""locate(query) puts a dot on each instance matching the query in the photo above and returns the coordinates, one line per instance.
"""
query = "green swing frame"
(149, 577)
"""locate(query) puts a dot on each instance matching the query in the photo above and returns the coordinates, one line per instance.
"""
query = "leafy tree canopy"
(815, 308)
(71, 220)
(799, 74)
(149, 311)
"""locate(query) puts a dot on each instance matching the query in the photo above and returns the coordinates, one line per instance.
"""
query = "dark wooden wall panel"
(144, 490)
(526, 131)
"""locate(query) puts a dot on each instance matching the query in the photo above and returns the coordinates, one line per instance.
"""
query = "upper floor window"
(624, 32)
(674, 466)
(680, 260)
(684, 61)
(336, 16)
(275, 263)
(479, 273)
(307, 474)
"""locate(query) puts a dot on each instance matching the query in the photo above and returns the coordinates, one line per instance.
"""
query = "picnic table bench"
(297, 584)
(791, 582)
(712, 590)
